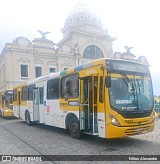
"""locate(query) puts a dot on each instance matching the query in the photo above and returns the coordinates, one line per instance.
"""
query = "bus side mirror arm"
(108, 81)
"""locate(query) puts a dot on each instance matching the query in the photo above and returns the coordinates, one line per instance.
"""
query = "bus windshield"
(131, 92)
(8, 100)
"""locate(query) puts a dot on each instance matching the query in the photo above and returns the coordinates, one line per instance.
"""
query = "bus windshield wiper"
(128, 81)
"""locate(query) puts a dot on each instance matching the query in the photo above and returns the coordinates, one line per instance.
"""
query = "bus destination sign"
(127, 66)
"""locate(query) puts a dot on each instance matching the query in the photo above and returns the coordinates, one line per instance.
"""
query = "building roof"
(81, 16)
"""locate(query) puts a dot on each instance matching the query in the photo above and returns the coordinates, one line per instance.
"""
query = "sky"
(134, 23)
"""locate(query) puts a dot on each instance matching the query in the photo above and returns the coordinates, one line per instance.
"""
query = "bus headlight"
(114, 120)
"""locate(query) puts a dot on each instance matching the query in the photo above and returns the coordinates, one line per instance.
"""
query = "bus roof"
(20, 86)
(68, 71)
(101, 61)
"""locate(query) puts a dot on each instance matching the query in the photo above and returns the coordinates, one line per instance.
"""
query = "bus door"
(19, 104)
(88, 104)
(35, 105)
(41, 104)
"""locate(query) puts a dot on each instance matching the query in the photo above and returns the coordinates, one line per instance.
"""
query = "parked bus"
(20, 100)
(109, 98)
(6, 106)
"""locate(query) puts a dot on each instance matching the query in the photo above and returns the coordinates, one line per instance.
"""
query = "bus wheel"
(74, 128)
(28, 119)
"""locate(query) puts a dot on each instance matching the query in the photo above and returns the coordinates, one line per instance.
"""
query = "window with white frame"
(93, 52)
(38, 71)
(52, 70)
(24, 70)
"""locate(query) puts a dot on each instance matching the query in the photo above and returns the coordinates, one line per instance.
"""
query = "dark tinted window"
(38, 71)
(70, 86)
(15, 95)
(52, 70)
(53, 89)
(41, 93)
(101, 90)
(24, 93)
(30, 92)
(24, 70)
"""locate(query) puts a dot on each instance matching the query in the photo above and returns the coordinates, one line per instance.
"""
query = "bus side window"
(53, 89)
(15, 95)
(36, 97)
(95, 89)
(30, 91)
(70, 86)
(41, 94)
(24, 93)
(3, 98)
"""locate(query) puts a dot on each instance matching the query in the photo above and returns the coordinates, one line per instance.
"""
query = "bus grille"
(138, 122)
(138, 130)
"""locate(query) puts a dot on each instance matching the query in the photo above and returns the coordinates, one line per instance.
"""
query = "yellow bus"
(20, 100)
(157, 106)
(109, 98)
(6, 106)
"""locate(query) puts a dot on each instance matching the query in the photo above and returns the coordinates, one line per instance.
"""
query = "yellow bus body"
(85, 101)
(19, 105)
(6, 106)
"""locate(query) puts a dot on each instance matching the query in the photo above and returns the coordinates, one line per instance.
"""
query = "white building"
(84, 39)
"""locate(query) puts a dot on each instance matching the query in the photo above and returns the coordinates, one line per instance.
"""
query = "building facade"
(84, 39)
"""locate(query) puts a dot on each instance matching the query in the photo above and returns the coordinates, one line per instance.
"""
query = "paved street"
(55, 141)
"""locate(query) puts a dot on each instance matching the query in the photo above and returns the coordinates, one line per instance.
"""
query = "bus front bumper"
(119, 132)
(7, 113)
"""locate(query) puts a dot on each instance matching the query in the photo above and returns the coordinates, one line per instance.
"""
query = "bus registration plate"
(139, 130)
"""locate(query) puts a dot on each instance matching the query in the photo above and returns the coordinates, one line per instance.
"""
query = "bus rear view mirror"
(108, 81)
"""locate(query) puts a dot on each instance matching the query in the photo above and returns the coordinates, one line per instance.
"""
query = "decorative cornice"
(54, 63)
(23, 59)
(37, 61)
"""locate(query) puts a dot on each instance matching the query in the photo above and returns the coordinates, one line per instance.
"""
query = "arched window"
(93, 52)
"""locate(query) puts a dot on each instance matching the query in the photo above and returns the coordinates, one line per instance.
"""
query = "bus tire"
(74, 128)
(28, 119)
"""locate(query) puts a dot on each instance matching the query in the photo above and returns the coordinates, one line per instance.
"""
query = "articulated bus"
(6, 106)
(110, 98)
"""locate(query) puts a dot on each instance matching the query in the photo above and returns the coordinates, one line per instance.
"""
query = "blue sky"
(134, 23)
